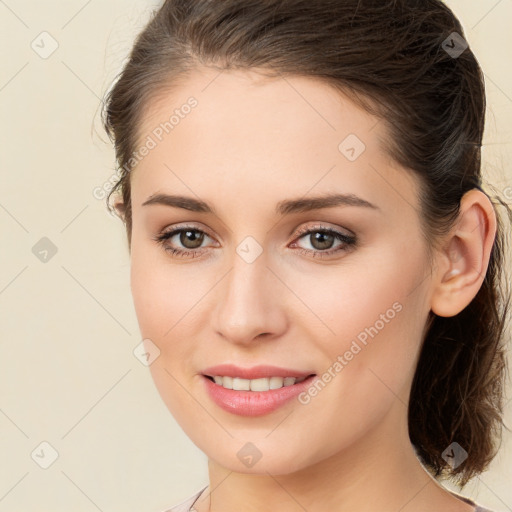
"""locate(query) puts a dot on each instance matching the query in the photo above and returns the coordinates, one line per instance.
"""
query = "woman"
(315, 265)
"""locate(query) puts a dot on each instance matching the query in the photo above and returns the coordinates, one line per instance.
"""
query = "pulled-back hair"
(392, 58)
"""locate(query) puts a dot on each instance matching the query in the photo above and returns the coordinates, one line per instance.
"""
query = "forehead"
(249, 133)
(256, 104)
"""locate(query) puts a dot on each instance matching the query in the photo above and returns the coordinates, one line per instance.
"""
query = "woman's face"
(253, 288)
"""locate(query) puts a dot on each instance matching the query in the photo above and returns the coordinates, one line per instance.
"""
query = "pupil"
(194, 237)
(324, 239)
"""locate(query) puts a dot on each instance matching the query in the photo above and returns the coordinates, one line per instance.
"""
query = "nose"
(250, 303)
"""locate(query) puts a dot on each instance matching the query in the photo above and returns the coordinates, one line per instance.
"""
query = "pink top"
(187, 505)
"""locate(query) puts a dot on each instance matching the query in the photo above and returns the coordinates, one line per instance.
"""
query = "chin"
(258, 457)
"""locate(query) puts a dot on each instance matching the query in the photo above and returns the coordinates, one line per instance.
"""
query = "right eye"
(189, 237)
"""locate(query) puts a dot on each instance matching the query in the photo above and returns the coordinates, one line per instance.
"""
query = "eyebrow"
(285, 207)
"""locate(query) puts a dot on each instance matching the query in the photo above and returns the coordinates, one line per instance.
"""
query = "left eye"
(323, 239)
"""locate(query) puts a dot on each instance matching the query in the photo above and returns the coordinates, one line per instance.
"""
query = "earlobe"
(463, 262)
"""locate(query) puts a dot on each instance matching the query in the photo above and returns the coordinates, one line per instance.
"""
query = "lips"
(248, 402)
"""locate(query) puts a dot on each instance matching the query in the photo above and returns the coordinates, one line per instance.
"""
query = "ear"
(120, 209)
(463, 260)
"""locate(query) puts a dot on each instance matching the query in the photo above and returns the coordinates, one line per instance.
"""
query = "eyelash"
(349, 241)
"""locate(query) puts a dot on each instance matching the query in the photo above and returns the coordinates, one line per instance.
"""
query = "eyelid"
(181, 227)
(323, 227)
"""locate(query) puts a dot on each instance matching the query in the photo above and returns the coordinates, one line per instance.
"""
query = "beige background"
(68, 375)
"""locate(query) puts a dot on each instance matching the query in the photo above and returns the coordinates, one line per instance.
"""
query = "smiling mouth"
(261, 384)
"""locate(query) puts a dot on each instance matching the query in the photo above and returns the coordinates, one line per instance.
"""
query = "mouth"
(268, 389)
(261, 384)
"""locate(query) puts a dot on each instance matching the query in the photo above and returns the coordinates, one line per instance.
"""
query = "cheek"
(163, 303)
(372, 316)
(161, 293)
(363, 291)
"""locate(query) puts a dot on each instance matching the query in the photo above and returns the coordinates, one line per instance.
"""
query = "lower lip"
(254, 403)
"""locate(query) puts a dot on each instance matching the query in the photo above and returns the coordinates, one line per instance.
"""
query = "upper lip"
(253, 372)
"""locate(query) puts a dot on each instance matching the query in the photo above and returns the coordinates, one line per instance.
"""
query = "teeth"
(263, 384)
(241, 384)
(259, 384)
(276, 382)
(288, 381)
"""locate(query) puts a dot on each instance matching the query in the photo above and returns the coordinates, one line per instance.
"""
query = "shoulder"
(185, 505)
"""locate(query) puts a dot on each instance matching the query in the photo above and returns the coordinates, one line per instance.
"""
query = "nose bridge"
(248, 304)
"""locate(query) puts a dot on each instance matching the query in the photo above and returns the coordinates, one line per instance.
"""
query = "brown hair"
(391, 57)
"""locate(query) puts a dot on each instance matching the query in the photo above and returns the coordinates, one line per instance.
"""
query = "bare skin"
(249, 144)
